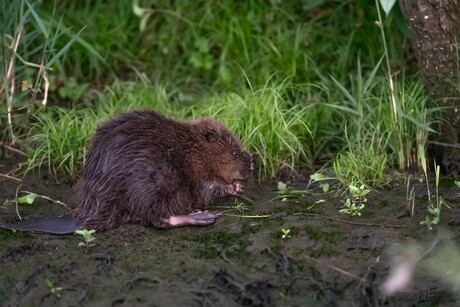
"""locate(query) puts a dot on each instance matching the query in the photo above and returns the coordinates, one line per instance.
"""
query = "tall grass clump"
(368, 116)
(27, 58)
(363, 166)
(59, 140)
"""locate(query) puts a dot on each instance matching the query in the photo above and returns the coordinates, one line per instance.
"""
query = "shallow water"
(326, 259)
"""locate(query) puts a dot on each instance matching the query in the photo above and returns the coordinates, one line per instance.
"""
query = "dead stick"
(444, 144)
(2, 144)
(10, 78)
(351, 223)
(47, 84)
(48, 198)
(10, 177)
(16, 201)
(335, 268)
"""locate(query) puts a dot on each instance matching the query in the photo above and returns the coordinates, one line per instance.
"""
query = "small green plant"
(239, 207)
(434, 207)
(54, 291)
(285, 233)
(87, 237)
(356, 200)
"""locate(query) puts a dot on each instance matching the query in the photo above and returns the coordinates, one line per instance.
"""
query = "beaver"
(144, 168)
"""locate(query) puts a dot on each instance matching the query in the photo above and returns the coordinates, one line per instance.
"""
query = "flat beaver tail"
(54, 225)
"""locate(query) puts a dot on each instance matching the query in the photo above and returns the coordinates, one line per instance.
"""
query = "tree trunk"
(435, 26)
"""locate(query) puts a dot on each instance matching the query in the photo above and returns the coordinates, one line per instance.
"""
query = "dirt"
(325, 259)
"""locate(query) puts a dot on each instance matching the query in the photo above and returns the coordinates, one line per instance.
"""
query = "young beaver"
(144, 168)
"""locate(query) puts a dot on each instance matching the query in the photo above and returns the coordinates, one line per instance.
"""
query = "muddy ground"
(327, 259)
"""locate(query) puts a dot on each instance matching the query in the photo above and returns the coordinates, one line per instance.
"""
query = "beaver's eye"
(235, 153)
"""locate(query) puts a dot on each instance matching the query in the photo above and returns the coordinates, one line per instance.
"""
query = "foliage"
(54, 291)
(29, 52)
(434, 207)
(285, 233)
(29, 199)
(298, 83)
(87, 238)
(356, 200)
(364, 166)
(59, 140)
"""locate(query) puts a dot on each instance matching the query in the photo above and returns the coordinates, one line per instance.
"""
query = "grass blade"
(64, 49)
(38, 20)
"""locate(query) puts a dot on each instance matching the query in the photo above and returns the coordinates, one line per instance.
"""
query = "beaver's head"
(223, 158)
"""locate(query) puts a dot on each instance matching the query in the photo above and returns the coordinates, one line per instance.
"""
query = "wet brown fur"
(143, 168)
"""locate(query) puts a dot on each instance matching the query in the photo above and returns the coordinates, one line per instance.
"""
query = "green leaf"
(27, 199)
(64, 49)
(353, 188)
(281, 186)
(387, 5)
(38, 20)
(457, 183)
(317, 176)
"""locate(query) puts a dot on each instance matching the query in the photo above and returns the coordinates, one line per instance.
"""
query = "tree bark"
(435, 26)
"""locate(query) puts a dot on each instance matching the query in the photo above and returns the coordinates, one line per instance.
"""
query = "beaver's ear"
(209, 136)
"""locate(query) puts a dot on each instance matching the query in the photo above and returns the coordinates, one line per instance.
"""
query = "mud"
(326, 259)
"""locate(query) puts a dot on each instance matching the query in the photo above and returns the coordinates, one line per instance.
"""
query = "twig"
(16, 201)
(50, 199)
(10, 177)
(47, 85)
(10, 78)
(457, 145)
(3, 144)
(351, 223)
(13, 171)
(337, 269)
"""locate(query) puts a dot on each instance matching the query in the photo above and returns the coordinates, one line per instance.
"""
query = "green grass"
(26, 61)
(297, 82)
(200, 44)
(270, 121)
(272, 129)
(58, 141)
(364, 166)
